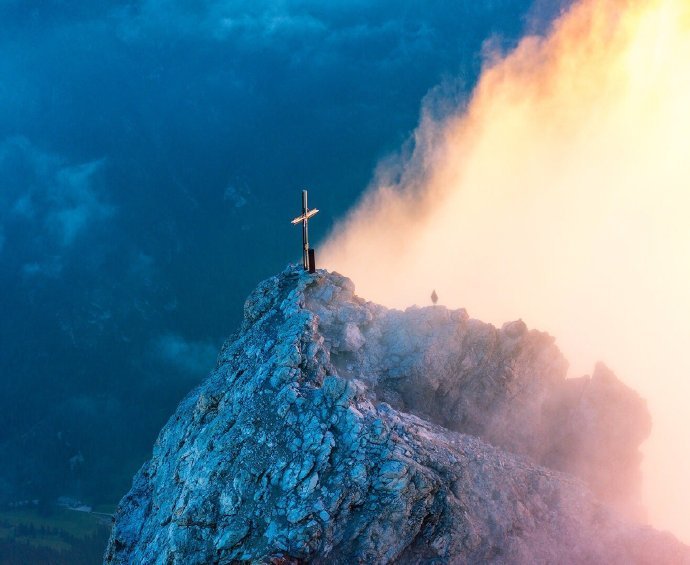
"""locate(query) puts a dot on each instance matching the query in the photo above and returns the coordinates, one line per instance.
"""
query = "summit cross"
(307, 254)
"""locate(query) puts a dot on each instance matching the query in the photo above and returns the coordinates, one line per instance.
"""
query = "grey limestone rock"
(335, 430)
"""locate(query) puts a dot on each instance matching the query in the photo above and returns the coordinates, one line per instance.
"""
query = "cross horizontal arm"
(305, 216)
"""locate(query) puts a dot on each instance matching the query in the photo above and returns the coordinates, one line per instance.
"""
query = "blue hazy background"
(151, 156)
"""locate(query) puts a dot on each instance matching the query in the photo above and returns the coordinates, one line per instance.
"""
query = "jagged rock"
(330, 430)
(507, 386)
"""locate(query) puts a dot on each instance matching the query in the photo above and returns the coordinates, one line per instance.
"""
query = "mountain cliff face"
(334, 429)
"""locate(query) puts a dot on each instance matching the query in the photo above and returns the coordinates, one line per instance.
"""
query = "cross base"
(311, 267)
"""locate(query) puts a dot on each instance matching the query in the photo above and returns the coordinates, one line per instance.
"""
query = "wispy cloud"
(58, 201)
(194, 358)
(323, 32)
(75, 203)
(50, 268)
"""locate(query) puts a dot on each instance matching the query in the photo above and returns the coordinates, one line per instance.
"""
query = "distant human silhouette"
(434, 296)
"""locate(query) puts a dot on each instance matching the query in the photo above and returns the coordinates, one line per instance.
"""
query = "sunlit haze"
(559, 194)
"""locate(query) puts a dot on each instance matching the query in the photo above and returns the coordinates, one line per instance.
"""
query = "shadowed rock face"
(330, 430)
(507, 386)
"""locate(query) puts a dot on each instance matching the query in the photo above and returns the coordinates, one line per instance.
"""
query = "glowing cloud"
(560, 194)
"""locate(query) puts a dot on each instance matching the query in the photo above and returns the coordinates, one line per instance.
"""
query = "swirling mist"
(559, 193)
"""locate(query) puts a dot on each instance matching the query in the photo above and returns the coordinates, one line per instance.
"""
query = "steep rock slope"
(330, 430)
(507, 386)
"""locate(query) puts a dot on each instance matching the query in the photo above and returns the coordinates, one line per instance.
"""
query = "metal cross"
(304, 218)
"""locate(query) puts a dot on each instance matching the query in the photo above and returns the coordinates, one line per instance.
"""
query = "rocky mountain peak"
(334, 429)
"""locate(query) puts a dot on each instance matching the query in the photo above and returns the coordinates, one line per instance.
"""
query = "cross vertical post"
(307, 254)
(305, 231)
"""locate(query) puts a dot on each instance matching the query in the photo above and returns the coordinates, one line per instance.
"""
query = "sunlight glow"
(560, 194)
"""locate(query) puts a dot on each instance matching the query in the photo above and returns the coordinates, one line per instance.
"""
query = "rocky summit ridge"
(335, 430)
